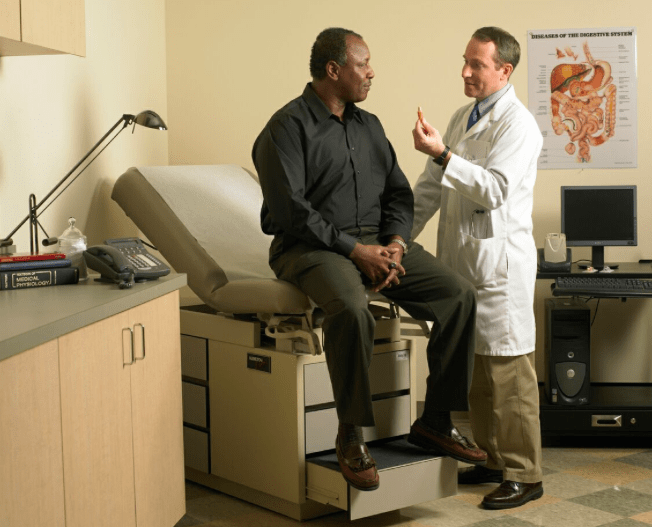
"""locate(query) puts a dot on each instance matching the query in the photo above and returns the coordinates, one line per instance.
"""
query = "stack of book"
(25, 271)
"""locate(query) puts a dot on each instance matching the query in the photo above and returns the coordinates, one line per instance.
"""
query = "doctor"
(480, 176)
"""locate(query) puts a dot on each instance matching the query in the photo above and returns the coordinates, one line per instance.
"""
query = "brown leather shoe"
(357, 465)
(479, 474)
(512, 494)
(454, 444)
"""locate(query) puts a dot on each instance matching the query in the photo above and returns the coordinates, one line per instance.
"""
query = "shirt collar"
(321, 111)
(487, 104)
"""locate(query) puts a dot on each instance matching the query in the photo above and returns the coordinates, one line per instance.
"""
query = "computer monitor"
(598, 217)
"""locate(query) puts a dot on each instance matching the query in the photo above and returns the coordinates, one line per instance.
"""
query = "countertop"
(32, 317)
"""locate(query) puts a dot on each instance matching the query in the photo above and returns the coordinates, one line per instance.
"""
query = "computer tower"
(567, 351)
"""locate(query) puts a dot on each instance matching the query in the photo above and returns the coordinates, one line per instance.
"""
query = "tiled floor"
(588, 484)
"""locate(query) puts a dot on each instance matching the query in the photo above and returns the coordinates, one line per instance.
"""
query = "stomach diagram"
(583, 103)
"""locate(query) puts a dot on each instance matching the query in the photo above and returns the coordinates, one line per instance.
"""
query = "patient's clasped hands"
(381, 264)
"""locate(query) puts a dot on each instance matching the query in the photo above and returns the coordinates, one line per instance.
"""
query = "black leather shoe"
(512, 494)
(479, 474)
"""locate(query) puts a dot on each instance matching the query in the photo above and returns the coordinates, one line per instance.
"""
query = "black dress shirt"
(324, 179)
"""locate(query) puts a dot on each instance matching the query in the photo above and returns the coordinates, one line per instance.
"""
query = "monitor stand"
(597, 259)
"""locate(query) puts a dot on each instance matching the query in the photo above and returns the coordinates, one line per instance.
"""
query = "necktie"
(473, 118)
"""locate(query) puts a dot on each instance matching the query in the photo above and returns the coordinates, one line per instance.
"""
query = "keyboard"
(602, 286)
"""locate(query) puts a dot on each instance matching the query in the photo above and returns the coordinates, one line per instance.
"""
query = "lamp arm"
(126, 119)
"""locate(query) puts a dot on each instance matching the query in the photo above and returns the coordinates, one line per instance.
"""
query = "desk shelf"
(614, 410)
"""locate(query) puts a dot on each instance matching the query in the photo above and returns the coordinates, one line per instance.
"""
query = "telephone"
(124, 261)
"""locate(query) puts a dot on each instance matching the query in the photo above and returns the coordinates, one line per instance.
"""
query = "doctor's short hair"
(330, 45)
(508, 50)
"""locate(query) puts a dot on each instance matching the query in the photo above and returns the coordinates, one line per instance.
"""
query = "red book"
(24, 257)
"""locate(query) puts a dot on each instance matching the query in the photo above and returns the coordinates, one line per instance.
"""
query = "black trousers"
(428, 291)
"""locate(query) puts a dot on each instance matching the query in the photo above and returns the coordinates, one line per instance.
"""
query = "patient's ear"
(333, 70)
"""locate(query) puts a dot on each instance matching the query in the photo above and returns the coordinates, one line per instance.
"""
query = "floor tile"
(628, 522)
(640, 459)
(566, 514)
(644, 485)
(621, 501)
(645, 517)
(611, 472)
(566, 486)
(505, 521)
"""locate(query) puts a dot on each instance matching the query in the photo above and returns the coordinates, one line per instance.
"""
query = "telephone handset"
(123, 261)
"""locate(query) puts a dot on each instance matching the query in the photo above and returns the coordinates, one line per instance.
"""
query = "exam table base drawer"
(196, 449)
(195, 404)
(408, 476)
(392, 418)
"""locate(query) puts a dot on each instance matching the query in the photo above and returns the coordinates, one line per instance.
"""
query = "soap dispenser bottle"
(73, 244)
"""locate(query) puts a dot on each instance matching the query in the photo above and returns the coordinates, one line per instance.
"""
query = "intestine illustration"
(583, 102)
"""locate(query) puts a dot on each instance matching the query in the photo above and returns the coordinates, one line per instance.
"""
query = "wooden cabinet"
(42, 27)
(91, 419)
(31, 476)
(122, 435)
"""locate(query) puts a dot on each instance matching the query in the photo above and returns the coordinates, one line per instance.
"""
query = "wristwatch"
(440, 160)
(401, 243)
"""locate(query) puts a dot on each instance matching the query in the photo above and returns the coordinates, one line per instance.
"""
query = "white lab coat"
(485, 225)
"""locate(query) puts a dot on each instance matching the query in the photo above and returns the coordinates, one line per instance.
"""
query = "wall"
(232, 63)
(56, 107)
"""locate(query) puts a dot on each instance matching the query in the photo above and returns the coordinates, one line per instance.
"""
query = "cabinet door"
(157, 413)
(55, 24)
(10, 19)
(31, 472)
(97, 430)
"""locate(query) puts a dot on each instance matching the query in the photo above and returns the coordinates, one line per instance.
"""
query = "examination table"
(259, 416)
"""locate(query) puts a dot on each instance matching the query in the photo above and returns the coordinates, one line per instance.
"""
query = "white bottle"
(73, 244)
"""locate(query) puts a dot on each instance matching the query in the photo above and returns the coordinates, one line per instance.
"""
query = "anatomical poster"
(582, 92)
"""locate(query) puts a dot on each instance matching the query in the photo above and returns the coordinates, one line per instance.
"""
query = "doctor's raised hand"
(427, 139)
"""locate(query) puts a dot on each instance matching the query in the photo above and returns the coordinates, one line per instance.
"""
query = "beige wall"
(232, 63)
(56, 107)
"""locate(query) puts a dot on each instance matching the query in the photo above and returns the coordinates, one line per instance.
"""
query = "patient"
(340, 210)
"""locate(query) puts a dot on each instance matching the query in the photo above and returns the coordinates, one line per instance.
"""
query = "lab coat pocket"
(476, 151)
(478, 258)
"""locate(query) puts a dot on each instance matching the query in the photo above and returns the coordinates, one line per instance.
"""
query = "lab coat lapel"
(495, 114)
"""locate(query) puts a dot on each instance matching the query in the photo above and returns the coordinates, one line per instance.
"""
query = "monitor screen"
(599, 216)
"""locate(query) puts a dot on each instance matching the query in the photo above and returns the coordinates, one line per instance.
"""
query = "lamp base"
(9, 249)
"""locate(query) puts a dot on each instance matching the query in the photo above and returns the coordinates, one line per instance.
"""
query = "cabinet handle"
(142, 335)
(131, 346)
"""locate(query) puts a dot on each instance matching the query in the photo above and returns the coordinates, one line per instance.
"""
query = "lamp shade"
(150, 119)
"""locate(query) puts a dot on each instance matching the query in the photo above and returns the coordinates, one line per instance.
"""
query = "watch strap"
(440, 160)
(401, 243)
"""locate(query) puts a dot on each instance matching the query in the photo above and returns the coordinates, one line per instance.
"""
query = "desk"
(624, 270)
(616, 409)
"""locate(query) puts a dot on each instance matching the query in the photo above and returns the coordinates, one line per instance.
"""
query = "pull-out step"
(408, 476)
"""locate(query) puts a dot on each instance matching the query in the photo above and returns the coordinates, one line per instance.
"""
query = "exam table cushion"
(204, 220)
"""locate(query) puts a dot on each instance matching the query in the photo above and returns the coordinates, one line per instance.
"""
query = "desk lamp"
(146, 118)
